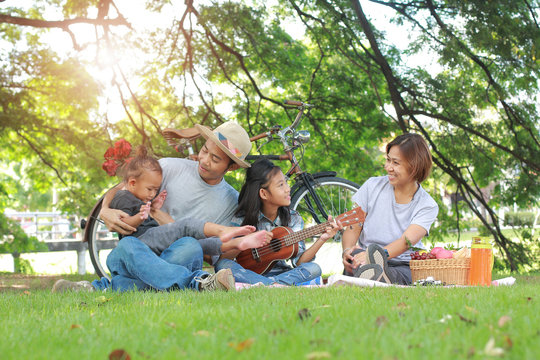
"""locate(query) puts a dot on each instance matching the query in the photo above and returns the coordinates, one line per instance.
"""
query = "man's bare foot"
(234, 231)
(253, 241)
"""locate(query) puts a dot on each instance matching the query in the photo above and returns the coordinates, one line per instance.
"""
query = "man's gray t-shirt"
(189, 195)
(386, 220)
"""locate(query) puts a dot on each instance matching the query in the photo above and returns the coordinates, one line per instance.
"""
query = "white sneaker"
(222, 280)
(66, 285)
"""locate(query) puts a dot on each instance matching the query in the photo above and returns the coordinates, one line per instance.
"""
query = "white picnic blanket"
(343, 280)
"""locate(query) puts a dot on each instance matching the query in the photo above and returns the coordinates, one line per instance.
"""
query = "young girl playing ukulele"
(264, 203)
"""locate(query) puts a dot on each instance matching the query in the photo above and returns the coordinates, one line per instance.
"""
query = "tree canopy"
(472, 93)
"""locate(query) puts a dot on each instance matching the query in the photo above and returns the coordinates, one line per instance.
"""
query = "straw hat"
(231, 138)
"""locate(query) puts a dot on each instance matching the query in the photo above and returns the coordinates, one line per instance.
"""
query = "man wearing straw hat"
(194, 189)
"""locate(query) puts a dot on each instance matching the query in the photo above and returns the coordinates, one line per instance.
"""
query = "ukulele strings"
(298, 236)
(289, 239)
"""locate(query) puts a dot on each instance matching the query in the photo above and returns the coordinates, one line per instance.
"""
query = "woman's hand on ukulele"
(359, 259)
(348, 259)
(331, 230)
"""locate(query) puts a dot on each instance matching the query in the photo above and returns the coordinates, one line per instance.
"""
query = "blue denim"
(303, 272)
(134, 266)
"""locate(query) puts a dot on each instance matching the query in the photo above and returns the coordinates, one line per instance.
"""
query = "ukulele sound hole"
(275, 245)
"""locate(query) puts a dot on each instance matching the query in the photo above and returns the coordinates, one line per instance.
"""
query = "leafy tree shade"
(477, 108)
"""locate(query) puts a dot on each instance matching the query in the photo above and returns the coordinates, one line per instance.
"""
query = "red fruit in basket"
(435, 250)
(445, 254)
(424, 256)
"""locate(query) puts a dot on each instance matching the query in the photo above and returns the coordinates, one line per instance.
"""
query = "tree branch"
(395, 96)
(62, 24)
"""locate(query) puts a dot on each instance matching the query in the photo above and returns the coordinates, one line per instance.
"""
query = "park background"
(78, 75)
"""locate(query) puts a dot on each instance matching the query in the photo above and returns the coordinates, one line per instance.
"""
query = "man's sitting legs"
(133, 259)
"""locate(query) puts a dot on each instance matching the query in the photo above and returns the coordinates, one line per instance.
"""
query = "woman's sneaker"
(369, 272)
(222, 280)
(66, 285)
(377, 255)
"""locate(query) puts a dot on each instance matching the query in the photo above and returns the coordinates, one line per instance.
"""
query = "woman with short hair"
(399, 213)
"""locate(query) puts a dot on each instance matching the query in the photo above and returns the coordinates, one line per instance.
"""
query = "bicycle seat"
(189, 134)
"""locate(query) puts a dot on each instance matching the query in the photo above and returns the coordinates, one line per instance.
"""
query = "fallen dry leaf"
(318, 355)
(491, 349)
(471, 352)
(381, 321)
(202, 333)
(243, 345)
(503, 320)
(508, 341)
(75, 326)
(463, 318)
(303, 314)
(316, 320)
(170, 324)
(318, 342)
(278, 332)
(119, 354)
(402, 305)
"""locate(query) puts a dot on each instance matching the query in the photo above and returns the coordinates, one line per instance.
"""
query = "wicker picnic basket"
(449, 271)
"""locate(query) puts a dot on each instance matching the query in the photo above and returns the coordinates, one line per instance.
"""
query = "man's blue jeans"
(303, 272)
(134, 266)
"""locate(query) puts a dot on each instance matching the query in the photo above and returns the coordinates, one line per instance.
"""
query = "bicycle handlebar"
(297, 103)
(269, 157)
(257, 137)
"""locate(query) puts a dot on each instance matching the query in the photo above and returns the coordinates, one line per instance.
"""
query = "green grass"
(265, 323)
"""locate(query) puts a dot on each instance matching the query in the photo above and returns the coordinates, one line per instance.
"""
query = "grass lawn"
(272, 323)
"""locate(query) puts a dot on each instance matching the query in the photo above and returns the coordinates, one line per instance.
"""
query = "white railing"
(59, 231)
(47, 226)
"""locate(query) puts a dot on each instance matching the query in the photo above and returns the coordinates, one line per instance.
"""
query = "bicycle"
(313, 195)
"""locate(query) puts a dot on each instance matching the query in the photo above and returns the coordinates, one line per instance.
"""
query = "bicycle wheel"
(335, 196)
(100, 241)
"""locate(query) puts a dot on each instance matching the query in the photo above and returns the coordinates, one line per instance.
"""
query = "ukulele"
(284, 243)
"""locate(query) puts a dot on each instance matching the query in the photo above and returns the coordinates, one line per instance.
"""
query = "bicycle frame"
(301, 178)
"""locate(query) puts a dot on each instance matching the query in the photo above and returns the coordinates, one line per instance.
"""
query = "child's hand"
(331, 230)
(145, 210)
(158, 201)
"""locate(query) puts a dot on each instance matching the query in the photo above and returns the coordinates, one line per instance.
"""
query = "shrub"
(13, 240)
(519, 219)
